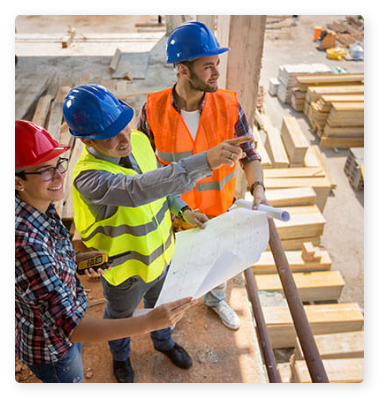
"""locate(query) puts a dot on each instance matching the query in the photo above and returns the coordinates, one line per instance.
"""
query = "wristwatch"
(181, 211)
(253, 186)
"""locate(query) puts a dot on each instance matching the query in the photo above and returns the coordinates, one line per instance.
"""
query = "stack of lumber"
(342, 355)
(292, 162)
(347, 32)
(295, 142)
(287, 73)
(313, 94)
(319, 111)
(344, 126)
(303, 82)
(302, 188)
(354, 168)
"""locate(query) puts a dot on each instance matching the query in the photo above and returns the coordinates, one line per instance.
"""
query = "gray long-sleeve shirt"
(104, 191)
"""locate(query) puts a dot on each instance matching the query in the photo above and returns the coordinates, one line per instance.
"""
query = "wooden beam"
(317, 286)
(266, 264)
(275, 148)
(115, 60)
(294, 140)
(323, 319)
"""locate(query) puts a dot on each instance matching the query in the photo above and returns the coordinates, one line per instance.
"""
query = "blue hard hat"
(91, 111)
(192, 40)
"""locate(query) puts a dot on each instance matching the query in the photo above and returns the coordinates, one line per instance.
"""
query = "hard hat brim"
(214, 52)
(57, 151)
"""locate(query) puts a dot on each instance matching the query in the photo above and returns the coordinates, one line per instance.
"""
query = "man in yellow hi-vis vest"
(122, 204)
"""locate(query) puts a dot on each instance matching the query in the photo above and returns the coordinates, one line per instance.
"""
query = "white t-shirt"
(191, 119)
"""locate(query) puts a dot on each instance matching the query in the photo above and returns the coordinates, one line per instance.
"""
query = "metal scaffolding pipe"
(301, 323)
(263, 338)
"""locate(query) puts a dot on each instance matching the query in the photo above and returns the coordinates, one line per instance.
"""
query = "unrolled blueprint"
(203, 259)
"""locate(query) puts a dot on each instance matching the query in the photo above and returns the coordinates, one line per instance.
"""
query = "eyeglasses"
(49, 173)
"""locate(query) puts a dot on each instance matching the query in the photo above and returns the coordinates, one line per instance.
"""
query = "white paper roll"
(275, 213)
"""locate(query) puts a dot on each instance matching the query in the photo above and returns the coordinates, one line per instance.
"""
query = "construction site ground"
(219, 354)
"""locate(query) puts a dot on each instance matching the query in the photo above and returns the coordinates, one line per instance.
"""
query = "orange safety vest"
(215, 194)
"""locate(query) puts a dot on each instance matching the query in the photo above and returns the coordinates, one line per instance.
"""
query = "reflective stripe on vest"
(144, 232)
(211, 195)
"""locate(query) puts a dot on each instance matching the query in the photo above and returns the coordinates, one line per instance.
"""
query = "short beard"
(198, 84)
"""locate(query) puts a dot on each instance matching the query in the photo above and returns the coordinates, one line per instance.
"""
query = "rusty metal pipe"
(263, 338)
(301, 323)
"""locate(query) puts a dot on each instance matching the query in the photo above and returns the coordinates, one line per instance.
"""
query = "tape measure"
(99, 261)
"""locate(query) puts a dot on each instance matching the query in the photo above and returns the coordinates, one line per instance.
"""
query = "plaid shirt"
(50, 300)
(241, 128)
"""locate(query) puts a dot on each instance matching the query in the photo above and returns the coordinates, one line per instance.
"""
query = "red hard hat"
(34, 145)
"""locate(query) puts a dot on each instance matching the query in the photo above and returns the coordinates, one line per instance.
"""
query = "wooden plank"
(312, 286)
(265, 159)
(302, 227)
(309, 252)
(342, 142)
(291, 196)
(305, 222)
(294, 140)
(266, 263)
(115, 60)
(313, 93)
(275, 148)
(323, 319)
(316, 151)
(338, 371)
(294, 172)
(67, 210)
(56, 114)
(68, 37)
(335, 79)
(321, 186)
(336, 346)
(296, 243)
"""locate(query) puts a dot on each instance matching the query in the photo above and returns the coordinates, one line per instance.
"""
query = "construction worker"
(193, 116)
(122, 205)
(50, 300)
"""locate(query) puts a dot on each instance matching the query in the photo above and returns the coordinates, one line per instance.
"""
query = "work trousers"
(123, 299)
(68, 369)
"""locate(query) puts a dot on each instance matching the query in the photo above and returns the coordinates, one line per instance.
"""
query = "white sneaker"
(227, 315)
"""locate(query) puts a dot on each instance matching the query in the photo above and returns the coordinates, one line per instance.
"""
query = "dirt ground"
(344, 212)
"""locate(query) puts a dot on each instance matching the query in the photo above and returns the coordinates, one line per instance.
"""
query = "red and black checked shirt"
(49, 299)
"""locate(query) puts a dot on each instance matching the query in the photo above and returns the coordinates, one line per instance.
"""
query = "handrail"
(310, 350)
(263, 338)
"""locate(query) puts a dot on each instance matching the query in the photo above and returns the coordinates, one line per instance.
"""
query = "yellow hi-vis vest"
(144, 231)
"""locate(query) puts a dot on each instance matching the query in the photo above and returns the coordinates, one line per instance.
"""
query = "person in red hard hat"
(50, 301)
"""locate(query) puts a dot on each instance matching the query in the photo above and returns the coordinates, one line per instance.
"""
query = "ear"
(87, 142)
(183, 70)
(19, 184)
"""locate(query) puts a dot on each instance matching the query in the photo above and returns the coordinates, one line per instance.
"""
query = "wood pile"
(303, 82)
(354, 168)
(302, 188)
(347, 32)
(287, 73)
(338, 120)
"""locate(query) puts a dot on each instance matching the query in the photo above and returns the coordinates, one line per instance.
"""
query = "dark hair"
(188, 63)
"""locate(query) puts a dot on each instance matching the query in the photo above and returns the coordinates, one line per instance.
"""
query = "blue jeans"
(68, 369)
(215, 296)
(123, 299)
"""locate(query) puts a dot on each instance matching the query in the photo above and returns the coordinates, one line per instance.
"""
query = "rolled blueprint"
(270, 211)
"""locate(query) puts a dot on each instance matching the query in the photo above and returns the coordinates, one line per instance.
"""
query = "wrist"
(183, 210)
(255, 185)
